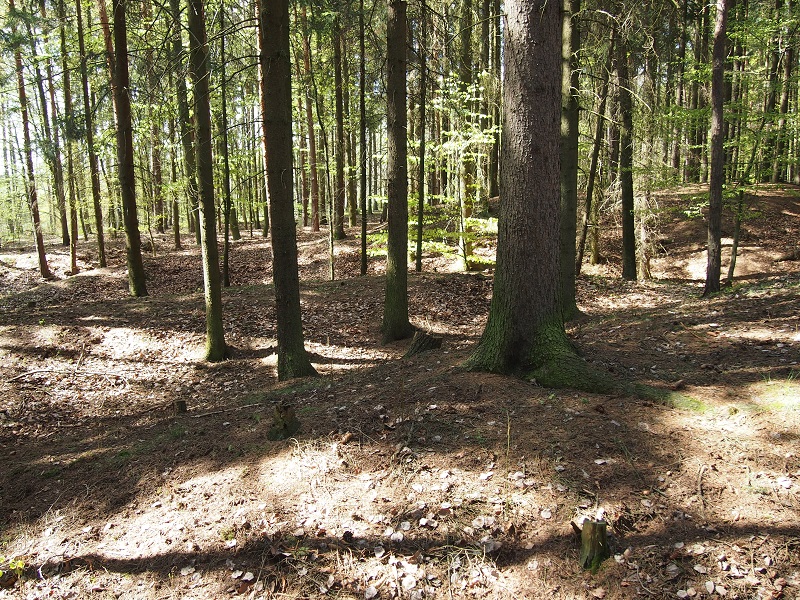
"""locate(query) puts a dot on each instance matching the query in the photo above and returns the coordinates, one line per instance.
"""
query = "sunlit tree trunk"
(125, 165)
(94, 167)
(339, 189)
(216, 349)
(273, 31)
(69, 118)
(30, 180)
(713, 267)
(569, 153)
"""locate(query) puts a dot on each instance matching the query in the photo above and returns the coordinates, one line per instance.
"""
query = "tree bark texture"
(714, 253)
(396, 325)
(216, 349)
(525, 332)
(125, 164)
(30, 180)
(293, 361)
(626, 163)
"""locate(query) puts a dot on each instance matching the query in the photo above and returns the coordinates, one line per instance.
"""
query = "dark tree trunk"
(717, 153)
(216, 350)
(127, 179)
(293, 361)
(525, 332)
(69, 119)
(396, 325)
(362, 135)
(626, 163)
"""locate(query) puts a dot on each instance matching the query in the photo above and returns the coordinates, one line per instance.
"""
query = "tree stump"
(594, 544)
(422, 342)
(285, 424)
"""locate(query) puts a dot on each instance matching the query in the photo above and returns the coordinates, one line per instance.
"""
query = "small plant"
(9, 564)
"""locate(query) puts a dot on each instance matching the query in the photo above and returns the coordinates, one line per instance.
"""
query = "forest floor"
(410, 478)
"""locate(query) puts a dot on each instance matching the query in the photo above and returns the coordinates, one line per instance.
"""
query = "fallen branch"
(223, 410)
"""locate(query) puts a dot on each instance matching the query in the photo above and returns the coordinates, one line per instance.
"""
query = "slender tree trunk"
(127, 179)
(229, 211)
(312, 139)
(339, 191)
(717, 153)
(569, 153)
(216, 349)
(423, 84)
(185, 120)
(69, 118)
(780, 160)
(362, 135)
(396, 325)
(94, 168)
(626, 163)
(467, 159)
(588, 207)
(677, 131)
(273, 31)
(30, 180)
(52, 142)
(350, 169)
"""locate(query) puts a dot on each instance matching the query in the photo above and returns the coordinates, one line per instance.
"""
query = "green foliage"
(10, 564)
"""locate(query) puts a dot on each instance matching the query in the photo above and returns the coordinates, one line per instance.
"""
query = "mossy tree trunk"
(293, 361)
(525, 332)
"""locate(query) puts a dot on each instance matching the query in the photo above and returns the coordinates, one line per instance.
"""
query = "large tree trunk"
(30, 180)
(396, 325)
(569, 154)
(94, 168)
(273, 30)
(127, 179)
(717, 152)
(216, 349)
(525, 332)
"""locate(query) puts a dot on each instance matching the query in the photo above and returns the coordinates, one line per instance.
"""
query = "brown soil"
(409, 478)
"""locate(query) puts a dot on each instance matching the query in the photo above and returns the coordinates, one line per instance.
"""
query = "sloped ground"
(410, 478)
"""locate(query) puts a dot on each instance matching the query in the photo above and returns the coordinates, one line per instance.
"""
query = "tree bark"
(293, 361)
(339, 190)
(30, 180)
(94, 168)
(396, 325)
(717, 153)
(525, 332)
(216, 350)
(69, 118)
(127, 179)
(362, 135)
(569, 153)
(626, 163)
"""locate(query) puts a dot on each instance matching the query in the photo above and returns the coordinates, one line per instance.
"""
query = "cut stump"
(594, 544)
(422, 342)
